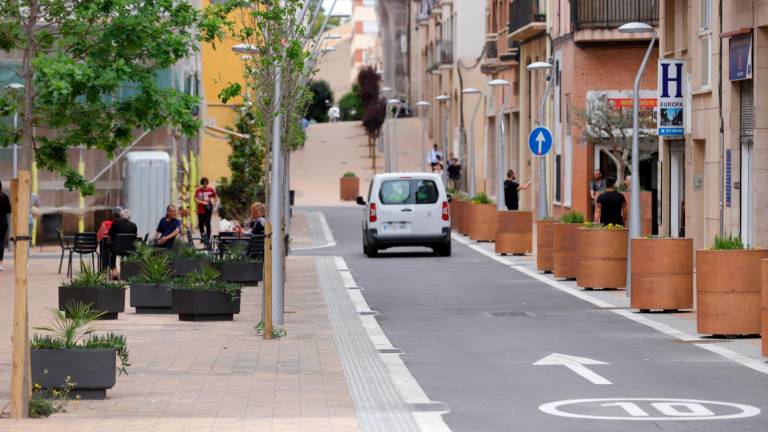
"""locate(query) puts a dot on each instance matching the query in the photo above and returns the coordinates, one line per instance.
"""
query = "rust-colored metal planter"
(349, 188)
(481, 221)
(728, 291)
(565, 250)
(765, 306)
(662, 273)
(602, 258)
(514, 232)
(458, 215)
(544, 245)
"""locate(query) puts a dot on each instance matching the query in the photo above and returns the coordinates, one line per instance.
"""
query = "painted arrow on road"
(576, 364)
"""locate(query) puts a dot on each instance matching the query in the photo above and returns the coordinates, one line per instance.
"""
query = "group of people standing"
(454, 167)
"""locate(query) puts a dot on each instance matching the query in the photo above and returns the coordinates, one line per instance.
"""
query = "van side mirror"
(360, 201)
(450, 197)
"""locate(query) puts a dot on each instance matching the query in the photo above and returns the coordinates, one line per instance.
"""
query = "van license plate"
(396, 227)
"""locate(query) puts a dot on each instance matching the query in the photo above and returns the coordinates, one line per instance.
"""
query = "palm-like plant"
(154, 269)
(72, 325)
(91, 278)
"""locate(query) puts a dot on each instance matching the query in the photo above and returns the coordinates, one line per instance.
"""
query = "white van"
(406, 209)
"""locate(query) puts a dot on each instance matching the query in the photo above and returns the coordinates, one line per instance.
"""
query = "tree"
(88, 69)
(604, 124)
(322, 99)
(374, 107)
(350, 105)
(369, 85)
(246, 164)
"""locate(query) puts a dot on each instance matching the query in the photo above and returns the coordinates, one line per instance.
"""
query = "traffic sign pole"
(543, 202)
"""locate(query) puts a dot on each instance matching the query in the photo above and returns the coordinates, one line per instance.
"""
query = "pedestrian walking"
(334, 113)
(512, 189)
(454, 174)
(205, 197)
(596, 187)
(434, 157)
(611, 206)
(5, 212)
(102, 236)
(168, 228)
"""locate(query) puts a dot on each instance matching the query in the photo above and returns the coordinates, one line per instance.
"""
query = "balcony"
(526, 19)
(598, 20)
(426, 7)
(494, 61)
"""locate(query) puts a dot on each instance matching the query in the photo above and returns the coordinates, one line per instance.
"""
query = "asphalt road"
(471, 329)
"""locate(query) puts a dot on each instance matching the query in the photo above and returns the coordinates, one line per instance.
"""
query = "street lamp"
(500, 165)
(471, 171)
(390, 158)
(424, 105)
(635, 224)
(15, 87)
(444, 100)
(543, 204)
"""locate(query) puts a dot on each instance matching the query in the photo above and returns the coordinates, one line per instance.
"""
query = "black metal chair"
(256, 246)
(66, 246)
(84, 244)
(227, 239)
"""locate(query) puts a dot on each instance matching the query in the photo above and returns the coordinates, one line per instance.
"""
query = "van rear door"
(428, 206)
(396, 212)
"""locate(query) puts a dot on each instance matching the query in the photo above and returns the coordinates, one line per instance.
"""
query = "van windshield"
(411, 191)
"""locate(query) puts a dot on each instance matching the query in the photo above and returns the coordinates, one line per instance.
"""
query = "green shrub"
(481, 198)
(185, 250)
(349, 174)
(728, 242)
(154, 269)
(90, 278)
(351, 106)
(207, 279)
(572, 217)
(599, 226)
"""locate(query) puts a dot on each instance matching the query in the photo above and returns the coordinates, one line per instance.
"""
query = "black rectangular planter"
(182, 266)
(240, 272)
(90, 371)
(111, 301)
(204, 305)
(151, 298)
(129, 269)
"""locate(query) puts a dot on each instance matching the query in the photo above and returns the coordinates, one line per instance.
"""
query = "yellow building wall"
(220, 67)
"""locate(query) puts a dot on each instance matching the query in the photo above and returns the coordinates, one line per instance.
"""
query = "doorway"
(677, 189)
(746, 191)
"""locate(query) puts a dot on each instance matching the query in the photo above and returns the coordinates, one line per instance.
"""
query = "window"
(705, 42)
(426, 192)
(395, 192)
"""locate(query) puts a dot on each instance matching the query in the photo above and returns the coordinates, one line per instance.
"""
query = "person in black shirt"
(5, 211)
(454, 174)
(511, 188)
(611, 206)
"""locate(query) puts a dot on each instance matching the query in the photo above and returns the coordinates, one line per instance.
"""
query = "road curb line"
(404, 381)
(324, 228)
(741, 359)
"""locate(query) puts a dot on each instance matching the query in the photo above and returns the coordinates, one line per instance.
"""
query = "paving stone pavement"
(214, 376)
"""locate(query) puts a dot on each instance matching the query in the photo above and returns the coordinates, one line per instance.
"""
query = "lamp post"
(424, 105)
(385, 91)
(15, 87)
(543, 204)
(444, 101)
(500, 165)
(392, 140)
(635, 222)
(472, 184)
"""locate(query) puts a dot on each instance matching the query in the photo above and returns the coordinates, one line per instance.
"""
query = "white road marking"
(743, 360)
(667, 408)
(327, 234)
(577, 365)
(406, 384)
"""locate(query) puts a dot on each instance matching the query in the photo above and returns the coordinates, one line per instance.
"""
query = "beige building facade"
(715, 177)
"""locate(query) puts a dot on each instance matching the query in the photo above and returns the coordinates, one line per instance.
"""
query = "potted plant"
(728, 288)
(236, 266)
(514, 232)
(188, 259)
(544, 245)
(662, 273)
(203, 296)
(131, 263)
(349, 186)
(481, 218)
(151, 289)
(602, 256)
(565, 245)
(764, 274)
(93, 288)
(71, 357)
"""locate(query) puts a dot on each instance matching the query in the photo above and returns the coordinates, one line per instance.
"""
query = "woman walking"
(5, 211)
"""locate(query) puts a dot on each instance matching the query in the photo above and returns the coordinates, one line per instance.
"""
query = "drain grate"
(507, 314)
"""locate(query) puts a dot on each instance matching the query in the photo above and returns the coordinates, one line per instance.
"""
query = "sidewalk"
(214, 376)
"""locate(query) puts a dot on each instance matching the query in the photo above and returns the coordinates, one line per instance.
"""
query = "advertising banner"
(671, 101)
(740, 58)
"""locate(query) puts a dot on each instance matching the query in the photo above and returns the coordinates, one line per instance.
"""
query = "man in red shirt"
(205, 197)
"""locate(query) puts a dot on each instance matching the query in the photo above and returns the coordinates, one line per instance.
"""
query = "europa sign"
(671, 101)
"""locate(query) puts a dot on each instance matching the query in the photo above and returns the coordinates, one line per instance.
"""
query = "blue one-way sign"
(540, 141)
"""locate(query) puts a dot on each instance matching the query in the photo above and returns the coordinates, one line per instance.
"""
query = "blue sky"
(343, 7)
